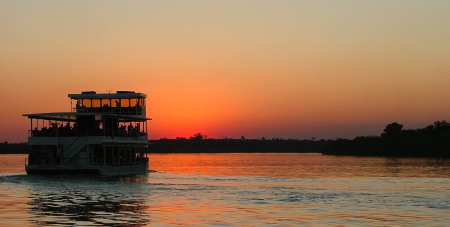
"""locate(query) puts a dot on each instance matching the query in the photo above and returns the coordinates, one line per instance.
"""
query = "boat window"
(95, 102)
(115, 103)
(134, 102)
(141, 101)
(125, 102)
(106, 102)
(86, 103)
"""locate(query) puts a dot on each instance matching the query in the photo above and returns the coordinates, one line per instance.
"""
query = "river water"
(235, 190)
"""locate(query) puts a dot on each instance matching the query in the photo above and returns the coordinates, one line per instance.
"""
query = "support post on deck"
(104, 155)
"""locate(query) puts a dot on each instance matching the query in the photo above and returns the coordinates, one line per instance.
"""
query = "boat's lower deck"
(54, 171)
(107, 170)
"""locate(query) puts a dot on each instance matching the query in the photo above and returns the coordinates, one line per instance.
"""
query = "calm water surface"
(235, 190)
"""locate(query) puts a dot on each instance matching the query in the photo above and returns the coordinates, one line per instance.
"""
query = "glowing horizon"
(291, 69)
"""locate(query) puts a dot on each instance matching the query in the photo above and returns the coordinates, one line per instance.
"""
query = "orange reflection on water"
(298, 165)
(12, 163)
(188, 212)
(236, 190)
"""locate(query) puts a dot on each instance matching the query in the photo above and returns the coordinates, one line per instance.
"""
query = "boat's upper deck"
(122, 103)
(95, 114)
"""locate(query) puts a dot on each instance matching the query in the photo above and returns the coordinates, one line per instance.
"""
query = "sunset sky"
(274, 69)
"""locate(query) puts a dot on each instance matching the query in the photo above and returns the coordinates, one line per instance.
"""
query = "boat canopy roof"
(72, 116)
(118, 95)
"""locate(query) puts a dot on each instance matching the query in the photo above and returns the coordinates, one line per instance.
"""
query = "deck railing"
(87, 162)
(74, 133)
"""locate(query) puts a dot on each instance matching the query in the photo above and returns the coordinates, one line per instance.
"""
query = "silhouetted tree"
(393, 128)
(198, 136)
(441, 124)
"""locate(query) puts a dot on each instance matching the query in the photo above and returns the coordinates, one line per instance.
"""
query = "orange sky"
(289, 69)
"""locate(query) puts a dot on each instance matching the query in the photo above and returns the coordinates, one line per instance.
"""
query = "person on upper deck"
(67, 127)
(35, 131)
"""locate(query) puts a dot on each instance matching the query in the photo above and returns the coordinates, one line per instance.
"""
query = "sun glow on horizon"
(297, 69)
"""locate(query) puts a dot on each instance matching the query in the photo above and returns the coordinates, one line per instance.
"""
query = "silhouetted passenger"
(130, 128)
(106, 108)
(74, 130)
(34, 132)
(44, 131)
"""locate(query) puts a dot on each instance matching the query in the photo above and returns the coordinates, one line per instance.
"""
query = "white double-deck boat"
(102, 134)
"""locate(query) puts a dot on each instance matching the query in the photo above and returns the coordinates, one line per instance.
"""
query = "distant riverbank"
(14, 148)
(196, 145)
(432, 141)
(235, 146)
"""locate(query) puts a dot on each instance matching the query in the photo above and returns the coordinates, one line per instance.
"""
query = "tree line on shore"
(14, 148)
(199, 144)
(432, 141)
